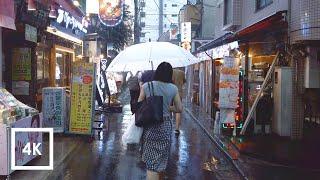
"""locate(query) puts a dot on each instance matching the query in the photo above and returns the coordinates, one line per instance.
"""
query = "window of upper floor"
(143, 14)
(174, 15)
(227, 12)
(260, 4)
(165, 5)
(142, 24)
(143, 4)
(165, 26)
(174, 5)
(143, 34)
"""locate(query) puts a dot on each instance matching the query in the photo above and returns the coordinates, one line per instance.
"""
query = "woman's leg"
(151, 175)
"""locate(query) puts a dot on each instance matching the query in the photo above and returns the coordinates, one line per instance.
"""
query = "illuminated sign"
(71, 22)
(111, 12)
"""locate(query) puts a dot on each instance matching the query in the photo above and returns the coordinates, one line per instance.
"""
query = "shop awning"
(226, 38)
(7, 15)
(275, 20)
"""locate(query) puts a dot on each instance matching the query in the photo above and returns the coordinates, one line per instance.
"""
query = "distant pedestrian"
(156, 138)
(179, 79)
(147, 76)
(134, 88)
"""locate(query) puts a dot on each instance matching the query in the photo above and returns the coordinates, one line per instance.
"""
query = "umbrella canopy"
(142, 56)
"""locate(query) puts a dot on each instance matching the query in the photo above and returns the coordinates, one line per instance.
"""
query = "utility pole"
(160, 18)
(136, 28)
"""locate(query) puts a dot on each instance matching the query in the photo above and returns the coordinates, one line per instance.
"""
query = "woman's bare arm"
(177, 108)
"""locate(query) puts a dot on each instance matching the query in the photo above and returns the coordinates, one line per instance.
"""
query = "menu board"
(54, 108)
(21, 64)
(82, 98)
(229, 83)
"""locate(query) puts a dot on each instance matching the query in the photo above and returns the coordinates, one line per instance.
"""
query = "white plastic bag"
(133, 133)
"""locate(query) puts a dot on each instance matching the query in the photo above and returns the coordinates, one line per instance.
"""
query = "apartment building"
(158, 17)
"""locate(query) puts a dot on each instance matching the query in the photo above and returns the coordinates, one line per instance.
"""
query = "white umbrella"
(142, 56)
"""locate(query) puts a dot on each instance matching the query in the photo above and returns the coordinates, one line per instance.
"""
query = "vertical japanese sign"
(21, 64)
(111, 12)
(229, 89)
(185, 31)
(82, 98)
(54, 108)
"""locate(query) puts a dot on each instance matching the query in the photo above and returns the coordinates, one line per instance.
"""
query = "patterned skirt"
(156, 145)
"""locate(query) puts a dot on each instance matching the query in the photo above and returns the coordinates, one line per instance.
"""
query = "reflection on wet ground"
(193, 155)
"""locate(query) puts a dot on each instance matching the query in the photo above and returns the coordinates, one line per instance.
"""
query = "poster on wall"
(229, 83)
(21, 64)
(111, 12)
(82, 98)
(54, 108)
(22, 138)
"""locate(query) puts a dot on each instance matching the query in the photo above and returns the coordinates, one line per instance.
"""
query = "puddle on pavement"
(211, 165)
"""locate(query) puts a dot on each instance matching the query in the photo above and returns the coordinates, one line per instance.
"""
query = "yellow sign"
(82, 99)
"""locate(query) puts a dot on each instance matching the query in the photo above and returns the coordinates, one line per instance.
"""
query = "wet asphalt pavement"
(193, 155)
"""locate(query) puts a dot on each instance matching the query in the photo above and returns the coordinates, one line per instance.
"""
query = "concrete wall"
(249, 14)
(208, 18)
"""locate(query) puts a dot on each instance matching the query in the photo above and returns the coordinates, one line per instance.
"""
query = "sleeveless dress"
(156, 139)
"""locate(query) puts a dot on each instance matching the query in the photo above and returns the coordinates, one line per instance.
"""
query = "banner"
(22, 138)
(54, 108)
(21, 64)
(7, 15)
(82, 98)
(111, 12)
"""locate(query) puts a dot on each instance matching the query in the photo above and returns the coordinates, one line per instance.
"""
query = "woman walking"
(157, 137)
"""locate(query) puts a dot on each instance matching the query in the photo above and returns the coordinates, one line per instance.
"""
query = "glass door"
(63, 68)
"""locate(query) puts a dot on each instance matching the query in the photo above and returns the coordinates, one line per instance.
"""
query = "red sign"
(111, 12)
(7, 15)
(87, 79)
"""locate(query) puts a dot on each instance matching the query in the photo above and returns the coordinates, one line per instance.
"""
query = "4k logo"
(30, 148)
(34, 147)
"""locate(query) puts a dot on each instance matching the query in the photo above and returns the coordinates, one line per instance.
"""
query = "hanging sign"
(54, 108)
(82, 98)
(21, 64)
(186, 32)
(111, 12)
(7, 14)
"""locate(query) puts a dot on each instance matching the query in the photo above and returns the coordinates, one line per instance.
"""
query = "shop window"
(227, 12)
(260, 4)
(143, 4)
(42, 65)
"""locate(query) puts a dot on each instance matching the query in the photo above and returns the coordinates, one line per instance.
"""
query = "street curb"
(235, 162)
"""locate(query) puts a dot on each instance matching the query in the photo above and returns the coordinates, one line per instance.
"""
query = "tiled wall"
(305, 21)
(245, 13)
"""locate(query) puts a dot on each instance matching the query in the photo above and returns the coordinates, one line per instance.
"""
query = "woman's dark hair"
(163, 73)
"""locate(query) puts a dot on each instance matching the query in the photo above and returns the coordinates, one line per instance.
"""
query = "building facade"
(263, 29)
(157, 17)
